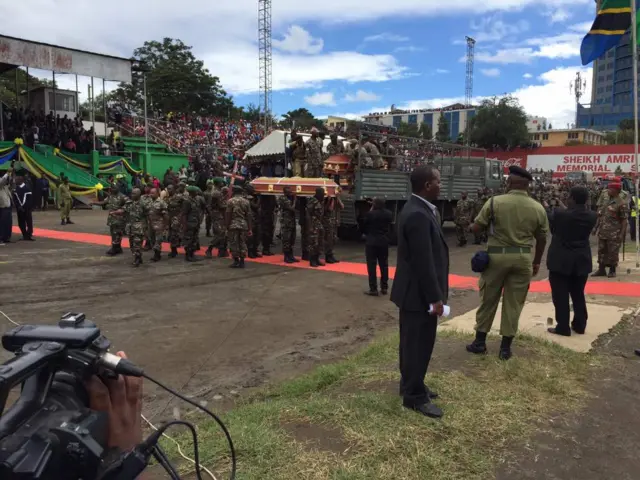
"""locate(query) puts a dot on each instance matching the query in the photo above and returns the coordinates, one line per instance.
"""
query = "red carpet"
(620, 289)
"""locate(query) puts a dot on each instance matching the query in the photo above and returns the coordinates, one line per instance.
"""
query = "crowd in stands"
(50, 129)
(455, 106)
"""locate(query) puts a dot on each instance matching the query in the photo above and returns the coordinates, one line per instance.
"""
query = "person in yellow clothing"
(65, 202)
(516, 223)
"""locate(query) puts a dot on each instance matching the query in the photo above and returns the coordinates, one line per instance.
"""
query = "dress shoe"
(638, 352)
(371, 293)
(555, 331)
(579, 331)
(431, 394)
(427, 409)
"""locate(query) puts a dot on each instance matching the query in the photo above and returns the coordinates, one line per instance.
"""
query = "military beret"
(615, 185)
(237, 189)
(193, 188)
(218, 180)
(520, 172)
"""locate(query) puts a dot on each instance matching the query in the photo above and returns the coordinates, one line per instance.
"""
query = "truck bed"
(390, 185)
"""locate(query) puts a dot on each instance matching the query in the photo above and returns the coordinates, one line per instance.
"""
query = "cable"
(7, 317)
(162, 459)
(232, 476)
(150, 445)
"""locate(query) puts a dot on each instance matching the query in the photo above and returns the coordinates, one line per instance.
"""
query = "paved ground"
(211, 331)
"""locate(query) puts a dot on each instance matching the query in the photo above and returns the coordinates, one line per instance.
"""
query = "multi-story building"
(457, 117)
(560, 137)
(535, 124)
(612, 88)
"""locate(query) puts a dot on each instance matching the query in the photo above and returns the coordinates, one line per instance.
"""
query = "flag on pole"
(611, 23)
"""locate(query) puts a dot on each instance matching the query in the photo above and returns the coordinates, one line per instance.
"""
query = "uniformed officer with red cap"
(611, 229)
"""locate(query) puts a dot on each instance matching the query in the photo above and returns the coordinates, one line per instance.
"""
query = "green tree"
(301, 118)
(442, 135)
(499, 123)
(8, 85)
(176, 81)
(408, 130)
(426, 132)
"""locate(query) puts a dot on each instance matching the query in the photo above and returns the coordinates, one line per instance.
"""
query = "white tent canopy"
(275, 143)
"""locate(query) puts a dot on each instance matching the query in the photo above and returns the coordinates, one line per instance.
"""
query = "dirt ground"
(214, 333)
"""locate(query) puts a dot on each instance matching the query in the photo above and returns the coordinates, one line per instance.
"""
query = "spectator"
(377, 224)
(24, 207)
(5, 207)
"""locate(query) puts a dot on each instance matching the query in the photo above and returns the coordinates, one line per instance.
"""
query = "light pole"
(146, 118)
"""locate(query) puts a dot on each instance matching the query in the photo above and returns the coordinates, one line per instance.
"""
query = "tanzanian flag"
(611, 23)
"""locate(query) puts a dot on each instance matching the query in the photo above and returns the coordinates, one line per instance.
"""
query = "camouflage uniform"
(462, 218)
(157, 222)
(254, 239)
(217, 207)
(203, 207)
(239, 209)
(479, 237)
(613, 216)
(315, 210)
(335, 149)
(299, 154)
(329, 224)
(374, 154)
(314, 158)
(267, 210)
(207, 213)
(287, 223)
(149, 236)
(65, 201)
(116, 223)
(136, 218)
(174, 208)
(192, 216)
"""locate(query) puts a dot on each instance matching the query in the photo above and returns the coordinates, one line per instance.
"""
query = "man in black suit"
(377, 223)
(420, 287)
(24, 207)
(569, 260)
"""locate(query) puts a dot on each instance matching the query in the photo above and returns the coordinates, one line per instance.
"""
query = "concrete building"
(535, 124)
(560, 137)
(336, 122)
(457, 117)
(612, 88)
(41, 99)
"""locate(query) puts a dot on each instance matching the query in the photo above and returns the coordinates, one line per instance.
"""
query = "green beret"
(193, 188)
(218, 180)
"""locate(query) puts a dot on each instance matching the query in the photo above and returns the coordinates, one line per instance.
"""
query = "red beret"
(615, 185)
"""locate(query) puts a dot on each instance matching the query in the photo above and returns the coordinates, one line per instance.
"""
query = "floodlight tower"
(578, 86)
(468, 83)
(264, 48)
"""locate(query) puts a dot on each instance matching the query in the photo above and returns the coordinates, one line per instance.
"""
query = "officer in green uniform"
(518, 222)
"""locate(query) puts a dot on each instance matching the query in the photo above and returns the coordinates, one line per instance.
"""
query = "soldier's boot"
(330, 258)
(209, 252)
(197, 247)
(112, 251)
(241, 264)
(156, 256)
(118, 249)
(505, 348)
(295, 260)
(208, 234)
(319, 262)
(69, 222)
(257, 253)
(305, 256)
(479, 345)
(601, 272)
(147, 246)
(137, 260)
(188, 255)
(612, 272)
(288, 257)
(223, 253)
(236, 263)
(313, 262)
(174, 252)
(266, 252)
(63, 222)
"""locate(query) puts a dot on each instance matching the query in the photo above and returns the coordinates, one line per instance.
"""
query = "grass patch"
(489, 407)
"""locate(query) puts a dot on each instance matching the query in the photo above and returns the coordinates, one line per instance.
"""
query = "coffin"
(337, 164)
(302, 187)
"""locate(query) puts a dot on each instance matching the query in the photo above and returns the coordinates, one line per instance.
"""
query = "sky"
(343, 57)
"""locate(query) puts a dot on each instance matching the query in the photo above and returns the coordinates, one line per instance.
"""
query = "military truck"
(461, 168)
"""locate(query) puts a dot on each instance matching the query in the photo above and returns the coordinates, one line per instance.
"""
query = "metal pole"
(55, 105)
(634, 47)
(77, 95)
(93, 114)
(28, 93)
(17, 92)
(104, 105)
(146, 123)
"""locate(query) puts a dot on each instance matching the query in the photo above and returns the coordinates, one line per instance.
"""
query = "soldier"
(136, 218)
(238, 222)
(517, 222)
(298, 153)
(314, 155)
(149, 239)
(267, 210)
(329, 224)
(116, 222)
(254, 240)
(481, 199)
(217, 207)
(388, 154)
(334, 147)
(207, 211)
(315, 213)
(202, 208)
(304, 227)
(374, 154)
(462, 218)
(611, 229)
(158, 222)
(287, 204)
(191, 218)
(174, 209)
(66, 201)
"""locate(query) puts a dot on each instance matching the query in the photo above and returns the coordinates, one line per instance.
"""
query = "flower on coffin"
(56, 151)
(99, 186)
(18, 141)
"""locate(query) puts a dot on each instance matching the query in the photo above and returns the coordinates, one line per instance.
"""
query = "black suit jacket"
(570, 251)
(377, 224)
(422, 268)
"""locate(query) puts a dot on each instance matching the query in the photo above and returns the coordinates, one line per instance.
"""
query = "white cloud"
(386, 37)
(361, 96)
(558, 15)
(409, 48)
(320, 99)
(527, 75)
(490, 72)
(298, 40)
(550, 99)
(441, 71)
(493, 29)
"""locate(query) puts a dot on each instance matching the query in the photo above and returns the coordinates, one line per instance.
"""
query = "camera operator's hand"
(121, 399)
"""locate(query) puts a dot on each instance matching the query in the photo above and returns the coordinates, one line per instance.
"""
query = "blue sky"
(349, 57)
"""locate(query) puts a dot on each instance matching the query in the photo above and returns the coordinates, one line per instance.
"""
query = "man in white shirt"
(5, 207)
